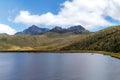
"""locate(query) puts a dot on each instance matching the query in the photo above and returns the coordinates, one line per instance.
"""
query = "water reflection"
(58, 67)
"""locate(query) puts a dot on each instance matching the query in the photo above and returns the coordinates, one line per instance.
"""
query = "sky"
(94, 15)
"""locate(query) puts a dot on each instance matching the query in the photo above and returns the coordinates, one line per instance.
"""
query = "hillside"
(104, 40)
(48, 41)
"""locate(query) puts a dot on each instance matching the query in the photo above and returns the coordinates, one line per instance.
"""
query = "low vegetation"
(104, 40)
(45, 42)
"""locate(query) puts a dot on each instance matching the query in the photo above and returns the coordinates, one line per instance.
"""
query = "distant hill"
(104, 40)
(47, 41)
(35, 30)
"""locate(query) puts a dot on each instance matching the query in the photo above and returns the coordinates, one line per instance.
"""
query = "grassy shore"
(115, 55)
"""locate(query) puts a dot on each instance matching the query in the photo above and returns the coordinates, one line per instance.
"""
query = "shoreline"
(115, 55)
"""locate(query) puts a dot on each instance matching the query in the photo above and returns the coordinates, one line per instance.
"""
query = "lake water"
(51, 66)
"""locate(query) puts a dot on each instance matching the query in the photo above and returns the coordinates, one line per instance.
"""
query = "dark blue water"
(49, 66)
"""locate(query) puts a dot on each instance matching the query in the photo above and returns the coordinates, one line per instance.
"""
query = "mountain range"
(35, 30)
(59, 39)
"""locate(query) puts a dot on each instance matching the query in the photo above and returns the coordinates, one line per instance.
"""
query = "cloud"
(88, 13)
(114, 9)
(6, 29)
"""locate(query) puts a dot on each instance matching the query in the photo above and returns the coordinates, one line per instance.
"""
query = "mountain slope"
(77, 27)
(58, 29)
(33, 30)
(37, 42)
(104, 40)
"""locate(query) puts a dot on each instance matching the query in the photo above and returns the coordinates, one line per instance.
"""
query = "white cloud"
(114, 9)
(6, 29)
(89, 13)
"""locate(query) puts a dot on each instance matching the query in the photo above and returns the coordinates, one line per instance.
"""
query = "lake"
(58, 66)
